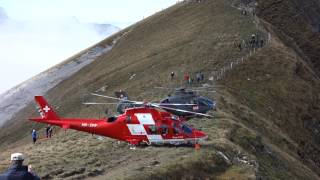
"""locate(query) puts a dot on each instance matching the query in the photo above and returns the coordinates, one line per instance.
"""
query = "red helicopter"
(137, 126)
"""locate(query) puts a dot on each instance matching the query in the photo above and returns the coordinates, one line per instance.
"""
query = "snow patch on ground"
(18, 97)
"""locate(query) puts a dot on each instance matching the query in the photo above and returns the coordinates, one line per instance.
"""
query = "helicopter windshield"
(186, 129)
(206, 101)
(174, 117)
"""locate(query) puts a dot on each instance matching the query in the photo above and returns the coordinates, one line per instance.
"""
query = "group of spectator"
(254, 42)
(35, 136)
(198, 77)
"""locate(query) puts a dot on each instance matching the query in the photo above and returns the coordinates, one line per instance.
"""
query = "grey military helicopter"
(182, 96)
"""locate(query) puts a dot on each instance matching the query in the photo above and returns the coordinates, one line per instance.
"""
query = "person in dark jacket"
(34, 136)
(17, 171)
(172, 75)
(50, 131)
(47, 131)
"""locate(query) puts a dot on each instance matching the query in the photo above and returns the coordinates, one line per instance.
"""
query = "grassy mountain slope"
(258, 128)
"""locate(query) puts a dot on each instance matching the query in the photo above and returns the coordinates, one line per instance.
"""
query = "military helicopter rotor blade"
(164, 88)
(207, 86)
(181, 110)
(174, 104)
(196, 89)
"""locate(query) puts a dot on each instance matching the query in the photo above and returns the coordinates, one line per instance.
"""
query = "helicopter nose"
(213, 106)
(200, 134)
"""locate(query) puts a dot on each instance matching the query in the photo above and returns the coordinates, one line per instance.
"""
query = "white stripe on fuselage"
(136, 129)
(154, 138)
(181, 141)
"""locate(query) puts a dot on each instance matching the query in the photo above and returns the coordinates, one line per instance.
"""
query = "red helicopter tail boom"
(45, 110)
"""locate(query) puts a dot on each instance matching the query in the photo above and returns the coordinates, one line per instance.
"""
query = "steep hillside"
(265, 127)
(297, 24)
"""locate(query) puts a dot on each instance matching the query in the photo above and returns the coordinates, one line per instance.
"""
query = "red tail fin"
(45, 110)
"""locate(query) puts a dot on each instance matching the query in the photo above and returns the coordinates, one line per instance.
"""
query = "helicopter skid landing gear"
(132, 146)
(146, 142)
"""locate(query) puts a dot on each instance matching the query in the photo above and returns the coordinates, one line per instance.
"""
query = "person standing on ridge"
(47, 131)
(34, 136)
(172, 75)
(186, 78)
(50, 131)
(198, 77)
(202, 76)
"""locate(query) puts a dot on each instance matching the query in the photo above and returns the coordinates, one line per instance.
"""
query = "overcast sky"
(38, 34)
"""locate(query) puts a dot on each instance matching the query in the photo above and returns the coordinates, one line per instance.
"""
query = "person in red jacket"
(186, 78)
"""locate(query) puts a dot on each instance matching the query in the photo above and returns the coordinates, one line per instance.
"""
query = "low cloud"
(28, 48)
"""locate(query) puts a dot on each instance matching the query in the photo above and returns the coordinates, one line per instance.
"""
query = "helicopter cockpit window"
(186, 129)
(174, 117)
(202, 103)
(165, 101)
(206, 101)
(128, 119)
(112, 119)
(153, 129)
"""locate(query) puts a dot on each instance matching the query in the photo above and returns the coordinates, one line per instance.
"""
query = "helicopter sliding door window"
(112, 119)
(186, 129)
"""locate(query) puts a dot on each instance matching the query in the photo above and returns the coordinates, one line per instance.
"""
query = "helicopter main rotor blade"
(109, 97)
(97, 103)
(181, 110)
(94, 103)
(119, 99)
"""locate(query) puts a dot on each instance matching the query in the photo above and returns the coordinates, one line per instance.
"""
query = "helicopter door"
(176, 129)
(164, 130)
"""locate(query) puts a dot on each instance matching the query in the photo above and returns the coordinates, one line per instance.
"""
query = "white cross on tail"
(46, 109)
